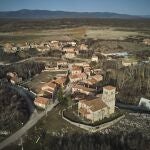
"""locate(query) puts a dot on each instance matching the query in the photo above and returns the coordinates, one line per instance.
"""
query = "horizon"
(137, 7)
(72, 11)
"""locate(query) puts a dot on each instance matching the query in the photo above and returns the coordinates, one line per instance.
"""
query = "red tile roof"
(50, 84)
(80, 87)
(60, 81)
(109, 87)
(41, 100)
(76, 67)
(80, 76)
(83, 111)
(98, 77)
(95, 104)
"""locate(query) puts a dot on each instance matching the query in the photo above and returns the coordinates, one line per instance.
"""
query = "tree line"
(13, 109)
(132, 82)
(96, 141)
(24, 70)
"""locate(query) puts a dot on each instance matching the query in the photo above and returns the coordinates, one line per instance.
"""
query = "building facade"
(98, 108)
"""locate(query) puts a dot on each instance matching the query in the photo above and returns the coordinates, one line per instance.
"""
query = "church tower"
(109, 97)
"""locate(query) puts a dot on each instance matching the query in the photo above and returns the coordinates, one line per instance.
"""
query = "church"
(98, 108)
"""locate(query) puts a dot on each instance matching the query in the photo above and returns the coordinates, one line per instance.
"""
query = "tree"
(60, 95)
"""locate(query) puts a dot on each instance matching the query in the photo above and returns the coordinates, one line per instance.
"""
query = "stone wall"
(95, 128)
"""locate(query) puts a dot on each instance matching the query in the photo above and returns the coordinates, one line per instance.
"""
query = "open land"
(100, 37)
(72, 29)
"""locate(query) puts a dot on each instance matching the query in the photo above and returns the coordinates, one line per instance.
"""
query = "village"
(76, 81)
(75, 86)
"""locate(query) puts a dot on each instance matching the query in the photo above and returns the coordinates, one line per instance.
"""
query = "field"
(68, 29)
(70, 34)
(109, 33)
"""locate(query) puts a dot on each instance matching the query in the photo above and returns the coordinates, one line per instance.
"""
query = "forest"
(132, 82)
(18, 55)
(134, 140)
(13, 109)
(25, 69)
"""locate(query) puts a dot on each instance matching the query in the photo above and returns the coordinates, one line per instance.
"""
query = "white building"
(94, 58)
(144, 103)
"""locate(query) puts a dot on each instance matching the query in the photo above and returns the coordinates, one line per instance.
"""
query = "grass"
(48, 127)
(81, 32)
(43, 35)
(109, 33)
(53, 123)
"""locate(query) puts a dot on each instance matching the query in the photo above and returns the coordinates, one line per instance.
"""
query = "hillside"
(46, 14)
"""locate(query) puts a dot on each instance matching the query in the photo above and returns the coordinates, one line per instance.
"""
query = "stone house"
(98, 108)
(60, 82)
(76, 70)
(70, 55)
(49, 89)
(93, 81)
(62, 64)
(55, 45)
(69, 49)
(93, 110)
(83, 90)
(77, 77)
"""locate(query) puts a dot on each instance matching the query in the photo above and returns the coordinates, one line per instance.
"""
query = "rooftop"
(74, 67)
(41, 100)
(94, 104)
(50, 84)
(84, 88)
(109, 87)
(98, 77)
(60, 80)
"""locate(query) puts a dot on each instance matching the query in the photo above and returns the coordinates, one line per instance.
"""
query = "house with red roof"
(41, 102)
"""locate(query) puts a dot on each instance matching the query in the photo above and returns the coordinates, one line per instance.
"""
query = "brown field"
(77, 33)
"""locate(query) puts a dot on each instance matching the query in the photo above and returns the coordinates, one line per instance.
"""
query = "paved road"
(31, 58)
(32, 121)
(81, 59)
(126, 106)
(68, 89)
(132, 108)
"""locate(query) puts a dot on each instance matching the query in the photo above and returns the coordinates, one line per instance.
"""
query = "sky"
(133, 7)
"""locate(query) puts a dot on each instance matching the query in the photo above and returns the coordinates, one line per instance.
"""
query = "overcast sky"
(134, 7)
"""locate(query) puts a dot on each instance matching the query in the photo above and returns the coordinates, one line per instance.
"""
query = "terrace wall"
(93, 128)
